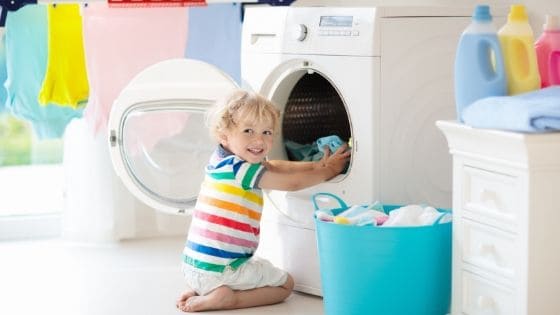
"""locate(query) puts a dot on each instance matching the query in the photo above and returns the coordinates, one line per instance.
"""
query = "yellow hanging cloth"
(65, 81)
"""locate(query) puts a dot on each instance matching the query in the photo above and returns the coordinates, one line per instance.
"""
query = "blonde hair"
(241, 106)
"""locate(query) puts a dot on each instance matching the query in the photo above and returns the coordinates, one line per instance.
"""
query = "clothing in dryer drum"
(314, 109)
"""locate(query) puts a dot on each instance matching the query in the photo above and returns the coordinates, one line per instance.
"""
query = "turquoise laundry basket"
(384, 270)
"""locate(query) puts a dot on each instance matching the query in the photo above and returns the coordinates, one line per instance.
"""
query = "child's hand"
(292, 175)
(336, 162)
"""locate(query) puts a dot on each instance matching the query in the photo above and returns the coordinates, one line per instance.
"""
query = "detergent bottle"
(547, 48)
(479, 65)
(517, 41)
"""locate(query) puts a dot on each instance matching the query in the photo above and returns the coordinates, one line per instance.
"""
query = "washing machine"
(379, 78)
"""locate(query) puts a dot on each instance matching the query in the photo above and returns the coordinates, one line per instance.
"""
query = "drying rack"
(14, 5)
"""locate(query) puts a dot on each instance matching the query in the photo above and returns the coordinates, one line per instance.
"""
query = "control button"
(337, 33)
(299, 32)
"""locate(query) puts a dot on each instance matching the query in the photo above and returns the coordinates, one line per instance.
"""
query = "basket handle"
(442, 214)
(333, 196)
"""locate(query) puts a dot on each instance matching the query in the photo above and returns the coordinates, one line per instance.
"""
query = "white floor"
(135, 277)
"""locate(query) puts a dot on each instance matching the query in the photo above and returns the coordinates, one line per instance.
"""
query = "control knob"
(299, 32)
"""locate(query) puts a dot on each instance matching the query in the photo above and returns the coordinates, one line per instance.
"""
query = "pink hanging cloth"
(119, 43)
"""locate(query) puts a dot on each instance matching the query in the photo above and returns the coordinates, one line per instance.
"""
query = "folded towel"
(537, 111)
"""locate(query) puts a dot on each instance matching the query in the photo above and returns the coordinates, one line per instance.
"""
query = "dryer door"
(159, 143)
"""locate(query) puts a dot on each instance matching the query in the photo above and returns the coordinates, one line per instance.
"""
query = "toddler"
(218, 261)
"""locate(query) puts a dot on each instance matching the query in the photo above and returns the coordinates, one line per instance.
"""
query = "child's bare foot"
(184, 297)
(221, 298)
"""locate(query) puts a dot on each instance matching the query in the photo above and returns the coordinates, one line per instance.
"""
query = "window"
(31, 181)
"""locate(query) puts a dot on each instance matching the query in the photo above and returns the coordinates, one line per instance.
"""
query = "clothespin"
(11, 5)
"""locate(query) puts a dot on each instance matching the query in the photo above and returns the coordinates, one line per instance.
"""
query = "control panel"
(330, 30)
(337, 25)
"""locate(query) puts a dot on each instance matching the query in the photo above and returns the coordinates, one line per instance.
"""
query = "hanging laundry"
(3, 73)
(26, 56)
(215, 37)
(65, 83)
(119, 43)
(12, 5)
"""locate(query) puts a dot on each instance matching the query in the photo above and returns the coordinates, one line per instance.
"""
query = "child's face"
(249, 141)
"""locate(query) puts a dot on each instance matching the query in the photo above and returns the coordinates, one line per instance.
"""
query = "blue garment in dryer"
(333, 142)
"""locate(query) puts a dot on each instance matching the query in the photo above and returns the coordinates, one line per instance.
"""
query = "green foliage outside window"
(18, 145)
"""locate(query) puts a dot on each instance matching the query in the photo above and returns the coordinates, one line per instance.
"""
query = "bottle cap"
(517, 13)
(482, 13)
(552, 23)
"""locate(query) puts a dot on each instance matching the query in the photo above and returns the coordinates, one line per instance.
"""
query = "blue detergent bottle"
(479, 64)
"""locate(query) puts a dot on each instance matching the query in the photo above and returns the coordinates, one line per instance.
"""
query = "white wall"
(538, 9)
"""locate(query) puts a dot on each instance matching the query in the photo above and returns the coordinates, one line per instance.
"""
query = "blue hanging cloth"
(26, 56)
(214, 36)
(3, 73)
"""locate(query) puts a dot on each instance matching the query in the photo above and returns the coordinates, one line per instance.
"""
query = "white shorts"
(254, 273)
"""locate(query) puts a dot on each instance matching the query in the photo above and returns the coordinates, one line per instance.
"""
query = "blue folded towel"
(537, 111)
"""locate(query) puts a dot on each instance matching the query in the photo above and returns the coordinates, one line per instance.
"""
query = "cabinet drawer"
(491, 197)
(483, 297)
(489, 248)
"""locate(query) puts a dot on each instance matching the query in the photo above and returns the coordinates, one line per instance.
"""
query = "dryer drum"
(314, 109)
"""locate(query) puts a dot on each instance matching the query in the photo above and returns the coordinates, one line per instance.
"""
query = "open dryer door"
(159, 144)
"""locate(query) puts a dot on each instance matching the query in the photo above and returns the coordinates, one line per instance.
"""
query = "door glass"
(165, 152)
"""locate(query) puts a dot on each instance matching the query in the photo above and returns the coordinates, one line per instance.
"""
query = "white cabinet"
(506, 225)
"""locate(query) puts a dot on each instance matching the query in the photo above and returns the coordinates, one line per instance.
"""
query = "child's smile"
(256, 151)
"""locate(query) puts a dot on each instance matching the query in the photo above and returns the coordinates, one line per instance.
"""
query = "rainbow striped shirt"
(225, 226)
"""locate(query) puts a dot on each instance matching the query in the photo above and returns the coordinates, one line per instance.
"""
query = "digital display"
(337, 21)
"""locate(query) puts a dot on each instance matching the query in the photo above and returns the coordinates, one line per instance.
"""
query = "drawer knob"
(490, 197)
(489, 250)
(485, 302)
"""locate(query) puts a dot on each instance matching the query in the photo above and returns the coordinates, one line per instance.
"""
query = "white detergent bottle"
(517, 41)
(547, 47)
(479, 65)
